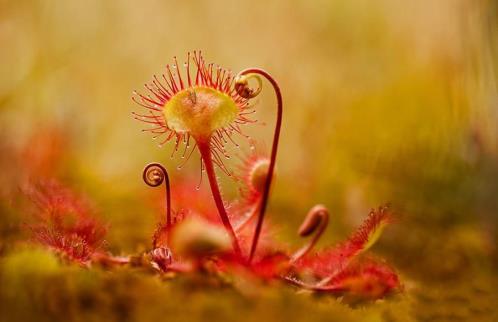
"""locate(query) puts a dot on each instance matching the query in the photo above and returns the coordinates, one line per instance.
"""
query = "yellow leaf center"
(200, 111)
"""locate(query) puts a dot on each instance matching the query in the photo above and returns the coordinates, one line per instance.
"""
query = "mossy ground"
(37, 287)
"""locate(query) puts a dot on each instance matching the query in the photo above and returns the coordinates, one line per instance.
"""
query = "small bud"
(195, 238)
(257, 176)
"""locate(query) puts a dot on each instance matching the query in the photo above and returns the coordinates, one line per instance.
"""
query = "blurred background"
(384, 102)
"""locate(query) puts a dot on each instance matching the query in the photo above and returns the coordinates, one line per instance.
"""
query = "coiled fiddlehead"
(154, 175)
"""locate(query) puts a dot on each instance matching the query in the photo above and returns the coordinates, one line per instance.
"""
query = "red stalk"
(273, 157)
(205, 150)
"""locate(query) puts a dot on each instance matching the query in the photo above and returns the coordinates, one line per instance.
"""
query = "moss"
(35, 287)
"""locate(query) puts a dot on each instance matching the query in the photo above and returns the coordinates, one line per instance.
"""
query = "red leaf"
(365, 280)
(335, 259)
(64, 222)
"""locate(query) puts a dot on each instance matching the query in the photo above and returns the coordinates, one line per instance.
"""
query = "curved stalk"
(153, 175)
(317, 220)
(247, 220)
(244, 91)
(318, 287)
(205, 150)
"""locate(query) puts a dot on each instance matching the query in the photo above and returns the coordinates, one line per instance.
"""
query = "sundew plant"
(249, 161)
(203, 107)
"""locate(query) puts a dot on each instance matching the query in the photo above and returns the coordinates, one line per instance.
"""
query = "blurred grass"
(384, 102)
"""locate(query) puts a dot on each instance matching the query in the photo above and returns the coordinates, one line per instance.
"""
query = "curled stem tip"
(316, 220)
(242, 85)
(243, 89)
(154, 175)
